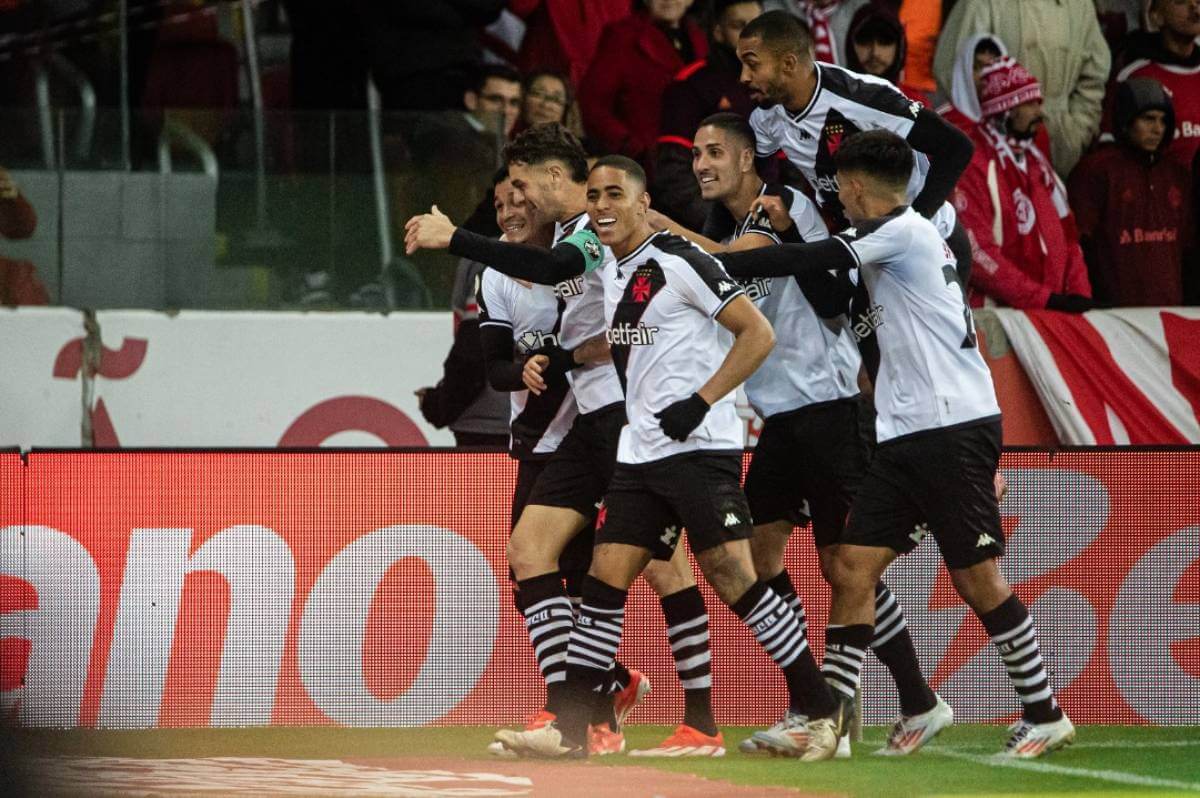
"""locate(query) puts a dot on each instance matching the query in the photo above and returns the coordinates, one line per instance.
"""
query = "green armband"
(588, 244)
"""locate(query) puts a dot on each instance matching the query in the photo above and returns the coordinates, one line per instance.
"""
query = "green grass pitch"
(1106, 760)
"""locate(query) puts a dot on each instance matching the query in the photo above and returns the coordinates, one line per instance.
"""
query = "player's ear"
(746, 160)
(789, 64)
(470, 100)
(644, 203)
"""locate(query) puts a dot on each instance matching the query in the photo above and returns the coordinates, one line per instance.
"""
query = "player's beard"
(774, 94)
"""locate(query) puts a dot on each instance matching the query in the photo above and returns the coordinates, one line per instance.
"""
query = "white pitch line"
(1076, 746)
(1114, 776)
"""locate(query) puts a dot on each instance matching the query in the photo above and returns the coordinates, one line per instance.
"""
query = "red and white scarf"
(816, 14)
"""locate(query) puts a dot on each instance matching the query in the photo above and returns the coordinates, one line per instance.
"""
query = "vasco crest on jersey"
(835, 130)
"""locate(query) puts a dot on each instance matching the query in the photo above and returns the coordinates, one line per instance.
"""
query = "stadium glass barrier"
(368, 588)
(220, 209)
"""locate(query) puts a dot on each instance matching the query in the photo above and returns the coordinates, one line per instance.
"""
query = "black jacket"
(700, 90)
(422, 53)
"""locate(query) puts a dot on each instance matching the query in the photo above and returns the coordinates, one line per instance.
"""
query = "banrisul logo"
(627, 334)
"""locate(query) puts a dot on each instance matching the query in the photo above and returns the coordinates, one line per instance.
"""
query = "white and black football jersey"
(931, 373)
(533, 315)
(811, 361)
(843, 103)
(595, 386)
(661, 301)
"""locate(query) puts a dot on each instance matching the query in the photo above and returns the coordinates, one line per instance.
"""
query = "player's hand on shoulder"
(775, 211)
(657, 220)
(431, 230)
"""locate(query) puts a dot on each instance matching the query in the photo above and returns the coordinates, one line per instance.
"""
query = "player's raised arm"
(949, 151)
(571, 258)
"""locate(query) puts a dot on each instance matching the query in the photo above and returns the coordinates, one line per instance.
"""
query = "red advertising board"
(369, 588)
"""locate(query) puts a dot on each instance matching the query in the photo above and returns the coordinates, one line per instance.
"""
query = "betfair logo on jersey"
(758, 288)
(827, 184)
(572, 287)
(536, 339)
(626, 334)
(869, 321)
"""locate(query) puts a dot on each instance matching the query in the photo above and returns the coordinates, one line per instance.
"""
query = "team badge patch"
(592, 248)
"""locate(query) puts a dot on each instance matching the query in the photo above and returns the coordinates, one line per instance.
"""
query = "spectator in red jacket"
(637, 59)
(1134, 206)
(1014, 206)
(1171, 56)
(561, 35)
(875, 44)
(19, 283)
(700, 90)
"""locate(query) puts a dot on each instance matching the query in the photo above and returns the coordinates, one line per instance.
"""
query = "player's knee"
(525, 559)
(981, 586)
(848, 573)
(730, 575)
(667, 577)
(767, 548)
(825, 557)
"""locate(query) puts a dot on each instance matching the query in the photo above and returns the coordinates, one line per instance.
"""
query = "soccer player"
(807, 108)
(548, 169)
(938, 427)
(672, 312)
(808, 453)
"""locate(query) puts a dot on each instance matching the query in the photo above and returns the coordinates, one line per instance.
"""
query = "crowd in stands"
(1085, 114)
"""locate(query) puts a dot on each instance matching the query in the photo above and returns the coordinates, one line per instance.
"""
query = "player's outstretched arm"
(434, 230)
(784, 260)
(949, 152)
(660, 221)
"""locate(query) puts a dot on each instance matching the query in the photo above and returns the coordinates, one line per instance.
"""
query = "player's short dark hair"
(489, 71)
(733, 124)
(626, 165)
(879, 153)
(781, 33)
(500, 176)
(548, 142)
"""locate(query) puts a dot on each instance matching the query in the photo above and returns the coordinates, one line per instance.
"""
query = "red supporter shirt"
(1022, 233)
(1183, 83)
(1137, 219)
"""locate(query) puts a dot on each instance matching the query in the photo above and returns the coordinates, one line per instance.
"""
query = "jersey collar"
(569, 224)
(741, 228)
(639, 249)
(803, 112)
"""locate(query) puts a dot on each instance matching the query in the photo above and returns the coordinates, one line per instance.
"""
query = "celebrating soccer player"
(548, 168)
(938, 427)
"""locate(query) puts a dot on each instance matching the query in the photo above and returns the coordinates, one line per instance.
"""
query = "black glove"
(1070, 303)
(680, 418)
(561, 361)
